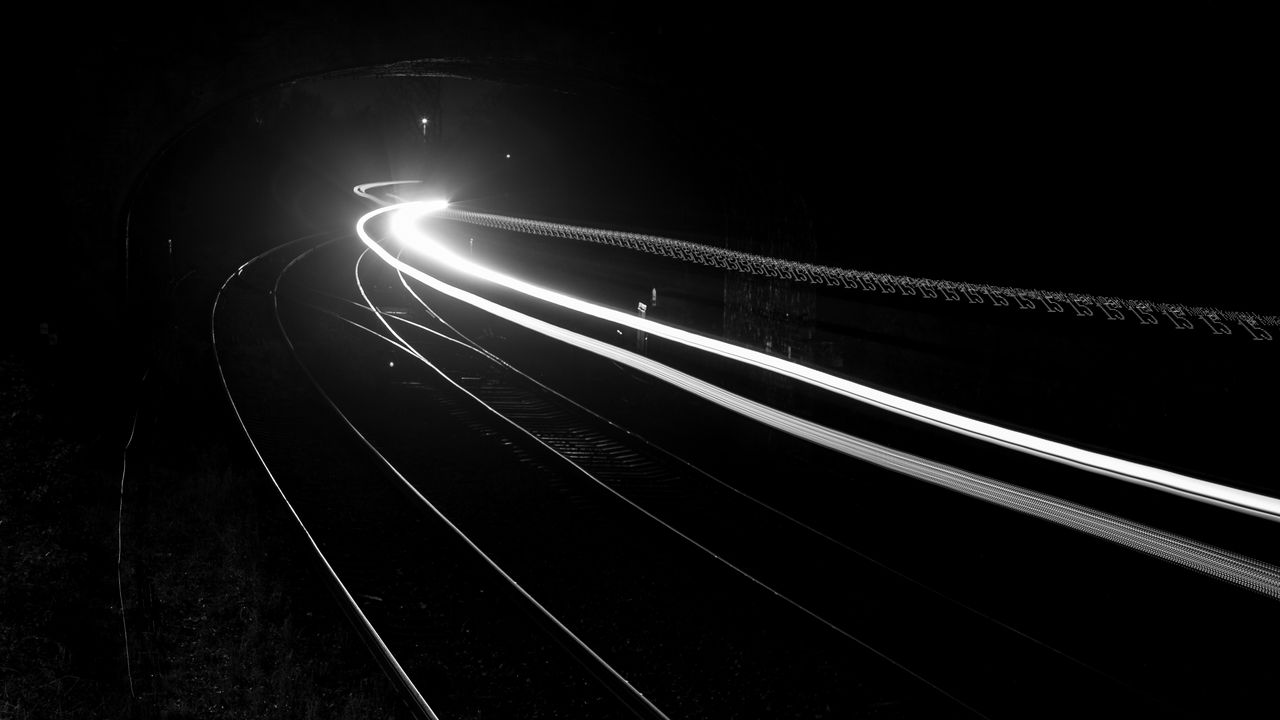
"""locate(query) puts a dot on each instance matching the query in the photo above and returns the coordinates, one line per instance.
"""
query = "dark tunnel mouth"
(547, 77)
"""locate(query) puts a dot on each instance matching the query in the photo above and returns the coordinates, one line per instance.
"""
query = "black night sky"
(249, 470)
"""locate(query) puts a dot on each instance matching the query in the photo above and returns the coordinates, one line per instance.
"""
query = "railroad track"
(1243, 571)
(752, 538)
(551, 551)
(404, 581)
(582, 480)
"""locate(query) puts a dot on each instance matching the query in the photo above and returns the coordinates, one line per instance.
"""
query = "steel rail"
(630, 696)
(416, 701)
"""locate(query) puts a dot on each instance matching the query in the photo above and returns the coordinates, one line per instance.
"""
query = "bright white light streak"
(404, 227)
(1244, 571)
(362, 190)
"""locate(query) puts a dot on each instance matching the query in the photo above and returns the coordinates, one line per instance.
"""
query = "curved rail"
(417, 702)
(628, 694)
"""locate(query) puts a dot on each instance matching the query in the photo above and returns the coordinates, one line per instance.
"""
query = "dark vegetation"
(58, 638)
(226, 617)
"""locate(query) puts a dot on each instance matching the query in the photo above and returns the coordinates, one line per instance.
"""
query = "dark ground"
(1131, 172)
(225, 616)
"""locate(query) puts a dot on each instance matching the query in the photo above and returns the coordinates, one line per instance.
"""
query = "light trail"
(1082, 305)
(466, 342)
(1244, 571)
(363, 190)
(404, 227)
(578, 467)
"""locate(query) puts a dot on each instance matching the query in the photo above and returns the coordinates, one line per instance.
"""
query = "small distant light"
(392, 363)
(508, 156)
(424, 121)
